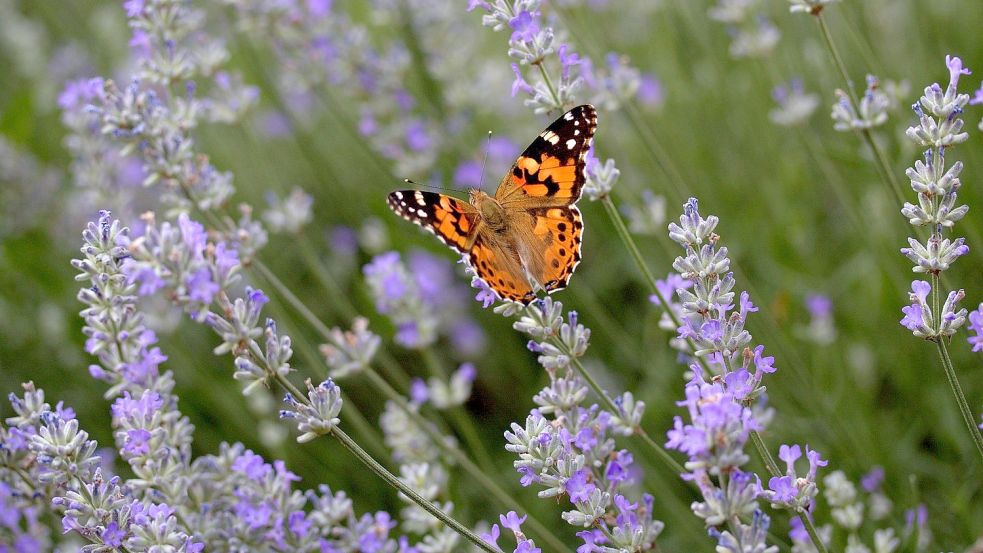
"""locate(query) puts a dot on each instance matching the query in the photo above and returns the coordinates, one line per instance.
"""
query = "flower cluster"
(319, 414)
(795, 105)
(513, 522)
(350, 351)
(48, 458)
(422, 297)
(155, 113)
(289, 214)
(851, 509)
(724, 398)
(871, 112)
(533, 42)
(793, 491)
(753, 35)
(939, 128)
(709, 320)
(567, 447)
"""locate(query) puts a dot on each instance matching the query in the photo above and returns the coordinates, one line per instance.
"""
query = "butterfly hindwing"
(501, 269)
(453, 221)
(557, 231)
(551, 170)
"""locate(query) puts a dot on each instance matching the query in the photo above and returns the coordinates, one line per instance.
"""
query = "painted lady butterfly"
(527, 237)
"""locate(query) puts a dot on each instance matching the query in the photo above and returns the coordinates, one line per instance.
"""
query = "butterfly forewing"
(551, 170)
(455, 222)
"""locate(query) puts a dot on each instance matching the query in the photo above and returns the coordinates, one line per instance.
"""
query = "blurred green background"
(803, 211)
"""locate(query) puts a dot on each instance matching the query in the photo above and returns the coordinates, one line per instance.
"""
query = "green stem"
(837, 60)
(884, 167)
(395, 482)
(957, 392)
(500, 495)
(549, 83)
(765, 454)
(458, 417)
(609, 404)
(811, 529)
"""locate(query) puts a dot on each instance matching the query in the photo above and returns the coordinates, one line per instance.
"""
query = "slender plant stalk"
(459, 418)
(811, 529)
(499, 494)
(766, 456)
(957, 392)
(609, 404)
(884, 166)
(426, 505)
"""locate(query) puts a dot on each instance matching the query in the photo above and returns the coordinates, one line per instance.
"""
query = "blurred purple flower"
(650, 92)
(468, 173)
(976, 329)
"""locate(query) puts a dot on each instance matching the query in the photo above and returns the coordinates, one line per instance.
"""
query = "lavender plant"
(568, 448)
(939, 128)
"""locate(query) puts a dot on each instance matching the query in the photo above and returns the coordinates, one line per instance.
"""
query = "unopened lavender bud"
(320, 415)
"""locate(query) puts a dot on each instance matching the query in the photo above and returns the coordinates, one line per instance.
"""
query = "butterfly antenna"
(433, 186)
(481, 180)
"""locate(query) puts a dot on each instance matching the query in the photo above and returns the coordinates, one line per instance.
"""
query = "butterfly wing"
(453, 221)
(553, 246)
(498, 265)
(550, 172)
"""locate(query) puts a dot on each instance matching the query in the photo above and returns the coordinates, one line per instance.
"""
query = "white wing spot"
(399, 195)
(550, 137)
(576, 132)
(568, 116)
(419, 198)
(571, 143)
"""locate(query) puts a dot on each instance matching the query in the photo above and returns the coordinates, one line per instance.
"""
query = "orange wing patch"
(552, 167)
(452, 220)
(560, 231)
(500, 270)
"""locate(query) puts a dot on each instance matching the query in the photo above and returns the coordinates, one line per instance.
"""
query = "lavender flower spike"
(939, 128)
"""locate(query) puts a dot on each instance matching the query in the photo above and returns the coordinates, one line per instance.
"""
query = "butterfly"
(527, 236)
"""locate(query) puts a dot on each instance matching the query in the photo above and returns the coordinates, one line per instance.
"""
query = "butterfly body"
(527, 236)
